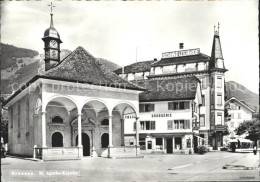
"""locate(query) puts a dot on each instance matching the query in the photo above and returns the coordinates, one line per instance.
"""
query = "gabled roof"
(169, 89)
(136, 67)
(81, 66)
(184, 59)
(240, 102)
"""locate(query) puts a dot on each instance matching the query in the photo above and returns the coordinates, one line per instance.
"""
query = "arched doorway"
(57, 139)
(105, 140)
(85, 144)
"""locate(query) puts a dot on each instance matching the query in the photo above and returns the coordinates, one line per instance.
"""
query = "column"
(122, 132)
(110, 131)
(163, 145)
(137, 130)
(44, 129)
(79, 131)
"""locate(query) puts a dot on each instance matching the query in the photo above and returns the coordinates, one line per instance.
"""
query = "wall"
(21, 141)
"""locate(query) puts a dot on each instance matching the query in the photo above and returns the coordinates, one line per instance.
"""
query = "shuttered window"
(178, 105)
(147, 125)
(170, 124)
(146, 107)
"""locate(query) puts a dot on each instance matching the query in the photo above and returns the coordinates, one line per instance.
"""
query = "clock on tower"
(52, 43)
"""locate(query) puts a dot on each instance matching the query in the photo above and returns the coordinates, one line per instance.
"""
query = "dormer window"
(57, 119)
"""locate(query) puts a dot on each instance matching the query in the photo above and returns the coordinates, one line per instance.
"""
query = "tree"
(251, 128)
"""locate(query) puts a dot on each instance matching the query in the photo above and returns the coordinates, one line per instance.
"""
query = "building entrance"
(85, 144)
(169, 146)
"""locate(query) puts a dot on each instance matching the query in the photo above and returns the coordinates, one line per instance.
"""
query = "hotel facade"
(207, 125)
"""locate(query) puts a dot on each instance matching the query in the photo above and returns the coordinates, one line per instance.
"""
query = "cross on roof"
(51, 6)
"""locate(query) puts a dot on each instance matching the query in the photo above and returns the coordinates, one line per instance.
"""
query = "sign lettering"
(189, 52)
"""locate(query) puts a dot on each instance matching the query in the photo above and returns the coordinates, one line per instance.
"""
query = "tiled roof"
(136, 67)
(169, 89)
(81, 66)
(184, 59)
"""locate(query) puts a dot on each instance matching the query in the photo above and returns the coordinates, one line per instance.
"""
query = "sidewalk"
(249, 162)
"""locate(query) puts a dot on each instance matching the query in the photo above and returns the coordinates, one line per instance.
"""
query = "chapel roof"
(81, 66)
(169, 89)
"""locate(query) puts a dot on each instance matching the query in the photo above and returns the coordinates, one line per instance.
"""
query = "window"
(147, 125)
(203, 100)
(239, 115)
(219, 82)
(158, 141)
(181, 104)
(219, 99)
(203, 83)
(170, 124)
(57, 119)
(202, 120)
(19, 120)
(27, 115)
(176, 124)
(179, 124)
(219, 119)
(212, 99)
(178, 105)
(105, 140)
(105, 122)
(11, 116)
(146, 107)
(142, 143)
(232, 124)
(57, 139)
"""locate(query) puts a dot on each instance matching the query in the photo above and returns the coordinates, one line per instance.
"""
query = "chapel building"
(74, 108)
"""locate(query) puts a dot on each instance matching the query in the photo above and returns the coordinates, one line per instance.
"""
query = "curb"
(29, 159)
(239, 167)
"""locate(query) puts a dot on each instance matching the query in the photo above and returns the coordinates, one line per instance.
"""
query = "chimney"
(181, 45)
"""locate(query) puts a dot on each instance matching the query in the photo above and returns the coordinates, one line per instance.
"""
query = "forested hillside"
(9, 53)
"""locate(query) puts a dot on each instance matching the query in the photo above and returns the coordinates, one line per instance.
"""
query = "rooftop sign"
(174, 54)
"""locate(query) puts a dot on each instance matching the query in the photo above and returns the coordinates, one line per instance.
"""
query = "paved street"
(207, 167)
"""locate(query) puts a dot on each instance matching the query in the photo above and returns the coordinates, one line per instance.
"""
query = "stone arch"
(57, 139)
(44, 106)
(104, 140)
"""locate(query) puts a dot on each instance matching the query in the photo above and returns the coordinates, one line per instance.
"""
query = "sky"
(126, 32)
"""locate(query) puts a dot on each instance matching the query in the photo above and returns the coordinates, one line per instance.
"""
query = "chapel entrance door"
(85, 144)
(169, 145)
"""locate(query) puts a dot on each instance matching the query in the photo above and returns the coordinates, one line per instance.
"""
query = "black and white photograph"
(129, 91)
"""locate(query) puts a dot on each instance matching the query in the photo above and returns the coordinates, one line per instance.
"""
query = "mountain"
(10, 53)
(234, 89)
(108, 64)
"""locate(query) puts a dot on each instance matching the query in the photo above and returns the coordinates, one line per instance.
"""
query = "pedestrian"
(254, 149)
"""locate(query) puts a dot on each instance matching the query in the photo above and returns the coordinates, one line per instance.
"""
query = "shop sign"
(189, 52)
(129, 117)
(220, 128)
(162, 115)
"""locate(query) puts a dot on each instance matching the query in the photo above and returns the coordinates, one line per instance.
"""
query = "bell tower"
(52, 43)
(217, 92)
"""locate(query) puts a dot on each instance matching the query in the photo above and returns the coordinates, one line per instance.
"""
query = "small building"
(238, 112)
(169, 113)
(74, 108)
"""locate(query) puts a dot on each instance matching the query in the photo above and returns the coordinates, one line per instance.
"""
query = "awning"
(245, 140)
(232, 140)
